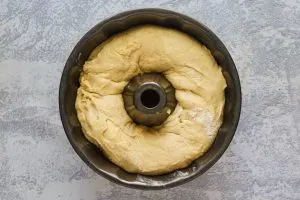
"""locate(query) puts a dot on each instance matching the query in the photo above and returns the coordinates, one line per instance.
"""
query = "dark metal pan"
(90, 154)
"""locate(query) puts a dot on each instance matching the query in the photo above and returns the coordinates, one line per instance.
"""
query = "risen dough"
(190, 129)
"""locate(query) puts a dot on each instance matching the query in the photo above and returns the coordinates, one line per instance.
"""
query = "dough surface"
(186, 134)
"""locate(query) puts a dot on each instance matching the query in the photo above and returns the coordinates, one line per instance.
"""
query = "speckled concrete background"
(37, 161)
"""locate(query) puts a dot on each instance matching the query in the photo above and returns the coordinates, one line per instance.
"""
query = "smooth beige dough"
(190, 129)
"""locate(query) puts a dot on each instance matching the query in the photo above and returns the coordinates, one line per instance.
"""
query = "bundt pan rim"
(69, 84)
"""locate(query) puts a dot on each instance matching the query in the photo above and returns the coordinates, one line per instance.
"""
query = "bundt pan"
(90, 154)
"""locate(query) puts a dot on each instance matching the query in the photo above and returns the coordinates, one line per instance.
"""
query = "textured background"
(37, 161)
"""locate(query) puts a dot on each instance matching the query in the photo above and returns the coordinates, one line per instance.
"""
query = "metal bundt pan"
(90, 154)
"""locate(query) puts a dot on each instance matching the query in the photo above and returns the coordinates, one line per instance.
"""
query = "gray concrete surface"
(37, 161)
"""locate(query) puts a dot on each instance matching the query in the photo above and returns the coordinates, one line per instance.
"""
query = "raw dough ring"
(190, 129)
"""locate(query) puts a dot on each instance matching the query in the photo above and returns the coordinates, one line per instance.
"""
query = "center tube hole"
(150, 98)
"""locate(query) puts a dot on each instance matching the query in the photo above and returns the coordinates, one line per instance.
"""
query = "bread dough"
(186, 134)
